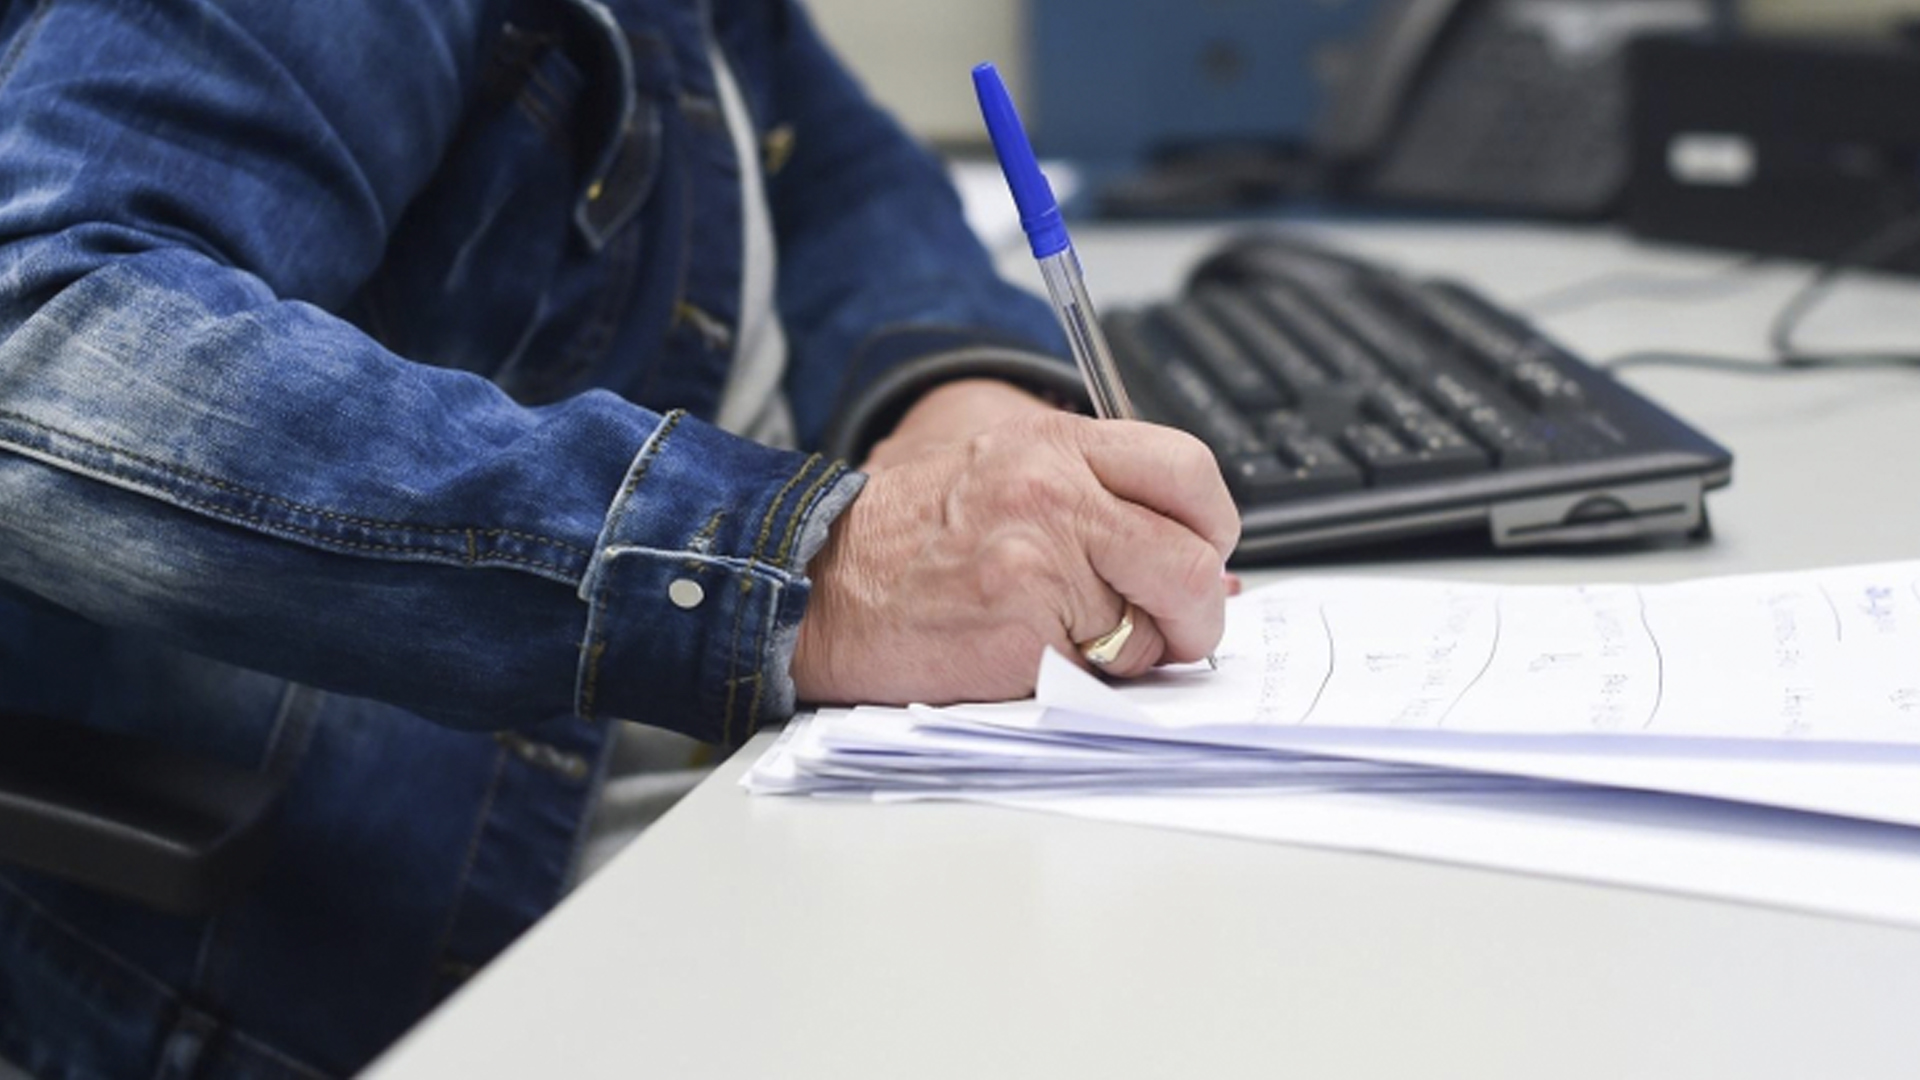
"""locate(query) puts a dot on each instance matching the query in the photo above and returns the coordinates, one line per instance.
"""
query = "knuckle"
(1198, 470)
(1034, 492)
(1019, 437)
(1010, 567)
(1056, 424)
(1185, 455)
(985, 445)
(1192, 450)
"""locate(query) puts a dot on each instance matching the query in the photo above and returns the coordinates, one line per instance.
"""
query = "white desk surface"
(771, 938)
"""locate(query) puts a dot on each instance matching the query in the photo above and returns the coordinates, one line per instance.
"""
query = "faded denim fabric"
(353, 361)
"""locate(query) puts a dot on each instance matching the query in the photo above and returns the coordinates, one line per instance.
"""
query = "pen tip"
(1213, 663)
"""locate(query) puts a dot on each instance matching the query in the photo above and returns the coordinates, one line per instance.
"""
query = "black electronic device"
(1780, 146)
(1350, 403)
(1506, 105)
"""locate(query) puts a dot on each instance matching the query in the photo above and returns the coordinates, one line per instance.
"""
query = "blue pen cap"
(1039, 213)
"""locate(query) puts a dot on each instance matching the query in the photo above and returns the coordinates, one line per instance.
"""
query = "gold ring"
(1105, 649)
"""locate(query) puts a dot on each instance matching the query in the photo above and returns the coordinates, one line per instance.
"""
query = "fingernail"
(1233, 583)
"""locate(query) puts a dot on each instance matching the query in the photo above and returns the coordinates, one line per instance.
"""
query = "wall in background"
(915, 55)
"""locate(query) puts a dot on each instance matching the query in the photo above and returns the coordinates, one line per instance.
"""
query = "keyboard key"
(1542, 385)
(1378, 452)
(1280, 424)
(1221, 357)
(1252, 473)
(1317, 465)
(1388, 459)
(1479, 334)
(1398, 405)
(1178, 393)
(1512, 446)
(1216, 422)
(1331, 347)
(1496, 427)
(1310, 464)
(1430, 437)
(1335, 406)
(1284, 359)
(1459, 458)
(1264, 478)
(1384, 331)
(1528, 365)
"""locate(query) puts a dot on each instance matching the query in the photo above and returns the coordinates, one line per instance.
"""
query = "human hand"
(949, 413)
(953, 569)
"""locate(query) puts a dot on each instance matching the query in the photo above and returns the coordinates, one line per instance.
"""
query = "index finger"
(1164, 470)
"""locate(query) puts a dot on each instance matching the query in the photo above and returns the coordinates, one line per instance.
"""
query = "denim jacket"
(354, 357)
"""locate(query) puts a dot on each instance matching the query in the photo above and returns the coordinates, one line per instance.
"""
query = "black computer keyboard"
(1349, 403)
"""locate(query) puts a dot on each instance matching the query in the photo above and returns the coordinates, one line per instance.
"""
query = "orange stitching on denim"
(595, 647)
(773, 508)
(726, 711)
(746, 590)
(702, 542)
(760, 661)
(590, 693)
(734, 678)
(654, 445)
(807, 500)
(753, 705)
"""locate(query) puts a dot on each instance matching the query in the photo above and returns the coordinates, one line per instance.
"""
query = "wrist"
(953, 412)
(880, 407)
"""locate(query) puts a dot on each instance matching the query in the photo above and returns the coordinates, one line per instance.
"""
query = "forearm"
(184, 454)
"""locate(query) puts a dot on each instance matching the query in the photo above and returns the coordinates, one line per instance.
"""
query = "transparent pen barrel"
(1069, 291)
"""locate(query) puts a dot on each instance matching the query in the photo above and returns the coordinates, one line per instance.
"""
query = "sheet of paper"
(1787, 690)
(1817, 656)
(1690, 847)
(887, 754)
(1671, 844)
(1753, 738)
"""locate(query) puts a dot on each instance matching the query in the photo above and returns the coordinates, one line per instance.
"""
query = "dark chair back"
(130, 817)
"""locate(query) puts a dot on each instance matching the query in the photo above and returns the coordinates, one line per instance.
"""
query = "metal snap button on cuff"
(686, 593)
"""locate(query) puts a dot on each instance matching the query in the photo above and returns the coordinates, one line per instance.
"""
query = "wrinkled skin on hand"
(990, 529)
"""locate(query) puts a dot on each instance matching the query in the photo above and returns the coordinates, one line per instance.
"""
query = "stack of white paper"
(1754, 738)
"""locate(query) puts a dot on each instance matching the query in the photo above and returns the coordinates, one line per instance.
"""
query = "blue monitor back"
(1111, 80)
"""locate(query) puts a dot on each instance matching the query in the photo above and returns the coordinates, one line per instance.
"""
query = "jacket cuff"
(698, 581)
(870, 416)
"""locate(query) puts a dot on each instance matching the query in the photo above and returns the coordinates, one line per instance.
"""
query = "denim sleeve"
(191, 447)
(878, 267)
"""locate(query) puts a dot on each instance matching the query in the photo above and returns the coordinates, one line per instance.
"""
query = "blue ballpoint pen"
(1047, 236)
